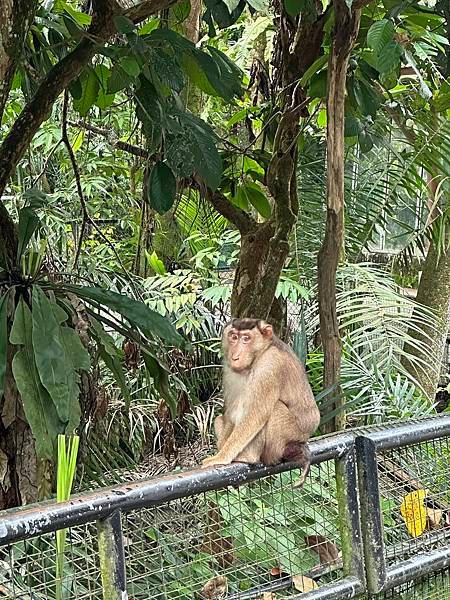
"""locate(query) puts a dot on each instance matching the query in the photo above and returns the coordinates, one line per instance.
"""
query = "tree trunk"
(345, 31)
(16, 16)
(434, 293)
(265, 246)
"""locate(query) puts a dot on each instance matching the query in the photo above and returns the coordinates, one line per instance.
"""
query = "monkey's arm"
(247, 430)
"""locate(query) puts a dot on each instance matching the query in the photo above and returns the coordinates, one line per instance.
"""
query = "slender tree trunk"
(265, 246)
(345, 31)
(434, 293)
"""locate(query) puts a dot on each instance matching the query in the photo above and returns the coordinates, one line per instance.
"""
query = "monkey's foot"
(215, 460)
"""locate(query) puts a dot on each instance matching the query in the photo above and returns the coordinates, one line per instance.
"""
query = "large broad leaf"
(50, 355)
(367, 98)
(389, 57)
(192, 149)
(28, 223)
(90, 87)
(254, 195)
(222, 16)
(162, 188)
(3, 339)
(137, 313)
(119, 79)
(79, 358)
(109, 353)
(39, 409)
(103, 99)
(149, 111)
(380, 34)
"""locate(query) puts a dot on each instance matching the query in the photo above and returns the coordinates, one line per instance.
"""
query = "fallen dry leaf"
(414, 513)
(327, 551)
(268, 596)
(434, 517)
(215, 588)
(304, 584)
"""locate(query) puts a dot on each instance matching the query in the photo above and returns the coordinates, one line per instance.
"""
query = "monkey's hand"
(216, 459)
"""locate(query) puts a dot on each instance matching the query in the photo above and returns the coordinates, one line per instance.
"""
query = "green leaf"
(293, 7)
(380, 34)
(318, 85)
(314, 68)
(240, 199)
(221, 14)
(367, 98)
(259, 5)
(3, 338)
(160, 377)
(258, 199)
(90, 87)
(162, 188)
(123, 24)
(192, 149)
(182, 10)
(35, 198)
(50, 355)
(156, 263)
(104, 100)
(352, 126)
(149, 27)
(441, 102)
(119, 79)
(389, 57)
(28, 223)
(137, 313)
(80, 17)
(130, 65)
(39, 409)
(231, 4)
(110, 355)
(365, 141)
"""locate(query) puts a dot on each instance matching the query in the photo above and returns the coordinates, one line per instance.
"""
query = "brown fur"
(269, 408)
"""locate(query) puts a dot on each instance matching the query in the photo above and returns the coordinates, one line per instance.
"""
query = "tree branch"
(146, 8)
(242, 220)
(106, 133)
(76, 172)
(57, 80)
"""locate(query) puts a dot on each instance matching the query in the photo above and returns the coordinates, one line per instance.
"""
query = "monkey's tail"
(299, 452)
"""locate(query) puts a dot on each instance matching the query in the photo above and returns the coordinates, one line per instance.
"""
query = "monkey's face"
(242, 346)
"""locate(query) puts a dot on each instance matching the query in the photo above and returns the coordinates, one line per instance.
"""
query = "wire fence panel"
(241, 532)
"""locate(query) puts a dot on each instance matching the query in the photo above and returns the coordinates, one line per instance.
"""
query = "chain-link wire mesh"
(244, 540)
(28, 568)
(259, 539)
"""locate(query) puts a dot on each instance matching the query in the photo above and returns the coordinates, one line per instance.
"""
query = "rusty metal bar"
(409, 433)
(371, 517)
(22, 523)
(112, 558)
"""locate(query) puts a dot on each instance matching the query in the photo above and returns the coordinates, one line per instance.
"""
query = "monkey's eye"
(234, 337)
(246, 339)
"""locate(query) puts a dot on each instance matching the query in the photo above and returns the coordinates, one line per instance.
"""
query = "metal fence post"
(347, 497)
(371, 518)
(112, 558)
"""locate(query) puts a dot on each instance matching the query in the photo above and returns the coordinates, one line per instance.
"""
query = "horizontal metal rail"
(412, 432)
(22, 523)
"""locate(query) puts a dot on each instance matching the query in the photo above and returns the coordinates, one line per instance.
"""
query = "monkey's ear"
(267, 330)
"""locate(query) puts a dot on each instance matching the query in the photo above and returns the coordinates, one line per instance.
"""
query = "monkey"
(269, 409)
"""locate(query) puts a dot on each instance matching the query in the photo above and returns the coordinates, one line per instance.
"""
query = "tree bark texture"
(345, 32)
(16, 17)
(434, 293)
(265, 246)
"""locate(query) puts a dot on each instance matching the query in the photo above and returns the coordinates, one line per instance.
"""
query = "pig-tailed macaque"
(269, 408)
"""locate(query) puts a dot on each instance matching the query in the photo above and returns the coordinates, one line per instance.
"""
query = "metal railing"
(240, 532)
